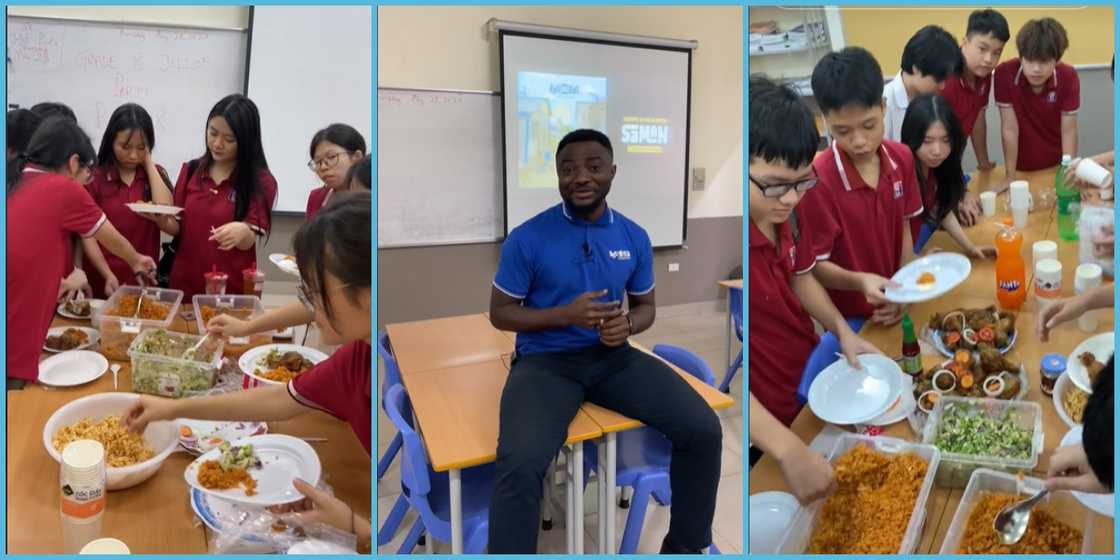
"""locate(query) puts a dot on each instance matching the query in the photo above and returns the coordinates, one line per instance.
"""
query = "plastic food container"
(242, 307)
(119, 330)
(797, 537)
(918, 417)
(1062, 504)
(956, 468)
(165, 372)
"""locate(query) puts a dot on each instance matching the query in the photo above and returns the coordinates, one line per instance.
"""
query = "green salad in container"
(163, 363)
(996, 438)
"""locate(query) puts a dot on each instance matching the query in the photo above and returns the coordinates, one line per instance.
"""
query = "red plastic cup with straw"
(215, 281)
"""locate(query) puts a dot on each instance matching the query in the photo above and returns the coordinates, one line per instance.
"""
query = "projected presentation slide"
(637, 96)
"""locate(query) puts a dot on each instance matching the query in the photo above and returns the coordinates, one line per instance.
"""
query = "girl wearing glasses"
(226, 196)
(126, 174)
(334, 150)
(46, 205)
(333, 255)
(934, 135)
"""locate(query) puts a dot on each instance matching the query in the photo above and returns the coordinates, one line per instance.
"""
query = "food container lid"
(1053, 364)
(83, 454)
(105, 546)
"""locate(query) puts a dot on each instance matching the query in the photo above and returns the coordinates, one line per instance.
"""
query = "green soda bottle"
(1069, 202)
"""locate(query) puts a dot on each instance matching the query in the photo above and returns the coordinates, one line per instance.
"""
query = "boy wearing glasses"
(785, 297)
(867, 192)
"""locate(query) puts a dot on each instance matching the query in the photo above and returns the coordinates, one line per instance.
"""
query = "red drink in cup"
(252, 282)
(215, 282)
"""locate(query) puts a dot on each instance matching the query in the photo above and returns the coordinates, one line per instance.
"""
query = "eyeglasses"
(328, 161)
(780, 190)
(304, 296)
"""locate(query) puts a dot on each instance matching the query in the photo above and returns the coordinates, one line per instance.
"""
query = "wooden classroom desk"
(154, 517)
(446, 342)
(977, 291)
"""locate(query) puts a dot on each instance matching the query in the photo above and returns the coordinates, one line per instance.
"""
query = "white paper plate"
(1060, 387)
(935, 334)
(70, 369)
(93, 335)
(316, 546)
(1100, 503)
(901, 407)
(283, 459)
(207, 435)
(150, 208)
(770, 516)
(285, 263)
(1102, 346)
(843, 395)
(94, 305)
(249, 360)
(948, 269)
(223, 515)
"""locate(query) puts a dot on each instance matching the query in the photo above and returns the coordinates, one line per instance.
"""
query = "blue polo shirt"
(554, 257)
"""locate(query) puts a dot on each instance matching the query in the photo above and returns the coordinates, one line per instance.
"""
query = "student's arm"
(639, 318)
(507, 313)
(954, 229)
(980, 142)
(1009, 134)
(820, 307)
(93, 251)
(833, 277)
(264, 404)
(1071, 308)
(112, 239)
(807, 473)
(158, 181)
(907, 244)
(290, 315)
(1069, 134)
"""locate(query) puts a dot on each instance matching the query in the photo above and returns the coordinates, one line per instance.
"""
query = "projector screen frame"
(502, 33)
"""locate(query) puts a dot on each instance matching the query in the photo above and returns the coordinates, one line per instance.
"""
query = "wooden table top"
(154, 517)
(977, 291)
(447, 342)
(737, 283)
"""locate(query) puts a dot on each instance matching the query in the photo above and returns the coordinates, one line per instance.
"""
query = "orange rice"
(1045, 533)
(211, 475)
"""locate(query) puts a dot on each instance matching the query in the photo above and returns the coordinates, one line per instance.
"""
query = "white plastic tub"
(797, 538)
(119, 330)
(1062, 504)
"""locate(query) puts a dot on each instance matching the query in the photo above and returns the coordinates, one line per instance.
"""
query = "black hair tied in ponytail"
(51, 147)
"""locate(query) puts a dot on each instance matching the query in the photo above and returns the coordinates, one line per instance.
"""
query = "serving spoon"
(1011, 522)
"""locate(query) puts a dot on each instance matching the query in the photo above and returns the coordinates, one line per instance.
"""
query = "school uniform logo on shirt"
(1052, 97)
(897, 190)
(620, 255)
(792, 256)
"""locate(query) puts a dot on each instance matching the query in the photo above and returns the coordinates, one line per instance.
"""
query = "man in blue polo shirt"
(560, 286)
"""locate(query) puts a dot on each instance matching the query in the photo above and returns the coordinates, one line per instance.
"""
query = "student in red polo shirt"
(333, 151)
(333, 255)
(226, 197)
(1038, 97)
(46, 205)
(866, 194)
(784, 297)
(934, 135)
(968, 93)
(125, 174)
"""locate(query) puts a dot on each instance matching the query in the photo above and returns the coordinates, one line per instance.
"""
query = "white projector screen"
(637, 95)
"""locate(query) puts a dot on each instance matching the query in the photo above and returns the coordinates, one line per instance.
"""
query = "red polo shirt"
(858, 227)
(208, 205)
(43, 213)
(341, 387)
(967, 102)
(1039, 114)
(112, 194)
(929, 208)
(781, 332)
(317, 200)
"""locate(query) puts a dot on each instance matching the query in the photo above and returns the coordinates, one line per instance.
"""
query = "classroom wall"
(229, 17)
(885, 31)
(450, 48)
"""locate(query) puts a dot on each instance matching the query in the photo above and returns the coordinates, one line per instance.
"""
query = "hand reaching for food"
(147, 410)
(1070, 470)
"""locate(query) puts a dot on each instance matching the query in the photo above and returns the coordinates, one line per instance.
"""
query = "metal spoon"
(116, 369)
(1011, 522)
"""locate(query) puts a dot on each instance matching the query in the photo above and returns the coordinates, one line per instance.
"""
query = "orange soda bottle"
(1011, 277)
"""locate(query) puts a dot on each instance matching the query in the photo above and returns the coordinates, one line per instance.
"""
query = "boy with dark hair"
(1038, 97)
(868, 191)
(931, 56)
(784, 297)
(968, 92)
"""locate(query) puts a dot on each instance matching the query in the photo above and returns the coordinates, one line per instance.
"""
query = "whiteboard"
(176, 74)
(309, 67)
(439, 167)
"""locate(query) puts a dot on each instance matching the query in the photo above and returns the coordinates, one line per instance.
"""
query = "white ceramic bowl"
(1061, 387)
(163, 437)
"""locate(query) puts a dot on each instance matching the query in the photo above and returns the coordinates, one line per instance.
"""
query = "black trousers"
(541, 397)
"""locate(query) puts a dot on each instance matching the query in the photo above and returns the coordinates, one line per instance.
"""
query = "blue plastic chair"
(392, 377)
(426, 491)
(735, 307)
(644, 454)
(821, 357)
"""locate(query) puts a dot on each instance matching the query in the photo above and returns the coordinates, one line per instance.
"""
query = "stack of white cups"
(82, 480)
(1042, 250)
(1021, 202)
(1088, 277)
(1048, 279)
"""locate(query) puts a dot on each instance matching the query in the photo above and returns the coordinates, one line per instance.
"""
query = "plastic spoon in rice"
(1011, 522)
(116, 369)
